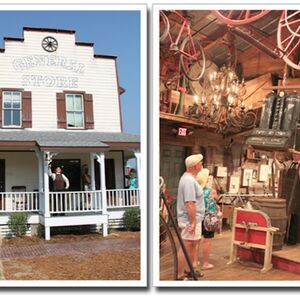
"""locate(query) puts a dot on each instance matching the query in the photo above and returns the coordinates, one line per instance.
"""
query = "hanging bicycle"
(182, 44)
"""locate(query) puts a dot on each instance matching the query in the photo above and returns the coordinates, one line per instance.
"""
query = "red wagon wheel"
(239, 17)
(288, 38)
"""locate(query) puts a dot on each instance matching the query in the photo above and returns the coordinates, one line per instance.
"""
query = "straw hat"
(202, 177)
(193, 160)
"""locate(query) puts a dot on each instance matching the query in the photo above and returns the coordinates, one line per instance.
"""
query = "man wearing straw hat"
(190, 213)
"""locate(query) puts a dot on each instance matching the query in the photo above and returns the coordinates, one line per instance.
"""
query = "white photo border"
(142, 8)
(156, 150)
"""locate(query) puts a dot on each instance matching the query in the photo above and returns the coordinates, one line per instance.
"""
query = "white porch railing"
(19, 201)
(74, 202)
(123, 198)
(68, 202)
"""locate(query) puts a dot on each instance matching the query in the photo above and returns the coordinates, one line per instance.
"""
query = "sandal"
(183, 278)
(197, 274)
(207, 267)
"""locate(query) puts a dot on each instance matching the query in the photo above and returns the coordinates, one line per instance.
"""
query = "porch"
(27, 156)
(69, 208)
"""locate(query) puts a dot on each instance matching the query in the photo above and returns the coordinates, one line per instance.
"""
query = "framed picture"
(247, 177)
(234, 184)
(263, 173)
(221, 171)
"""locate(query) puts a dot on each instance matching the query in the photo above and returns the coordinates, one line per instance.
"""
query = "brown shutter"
(61, 110)
(88, 111)
(26, 110)
(0, 108)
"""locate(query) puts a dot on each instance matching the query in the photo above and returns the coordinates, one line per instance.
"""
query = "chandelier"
(221, 102)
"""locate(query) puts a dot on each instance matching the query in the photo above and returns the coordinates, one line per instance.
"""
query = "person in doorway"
(190, 213)
(86, 178)
(60, 184)
(210, 198)
(86, 185)
(60, 181)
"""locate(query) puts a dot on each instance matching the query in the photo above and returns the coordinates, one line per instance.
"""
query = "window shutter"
(26, 110)
(61, 110)
(0, 108)
(88, 111)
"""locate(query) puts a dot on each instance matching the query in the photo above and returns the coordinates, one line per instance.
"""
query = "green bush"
(131, 219)
(17, 223)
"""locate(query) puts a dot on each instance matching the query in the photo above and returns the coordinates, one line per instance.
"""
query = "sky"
(112, 32)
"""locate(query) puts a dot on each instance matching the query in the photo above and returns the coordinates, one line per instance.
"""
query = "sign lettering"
(50, 81)
(32, 61)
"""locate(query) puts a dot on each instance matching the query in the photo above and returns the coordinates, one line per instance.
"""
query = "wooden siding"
(21, 170)
(98, 78)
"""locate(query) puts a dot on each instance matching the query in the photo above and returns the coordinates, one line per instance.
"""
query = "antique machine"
(279, 124)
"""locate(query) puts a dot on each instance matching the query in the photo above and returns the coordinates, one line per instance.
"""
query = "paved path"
(80, 247)
(1, 265)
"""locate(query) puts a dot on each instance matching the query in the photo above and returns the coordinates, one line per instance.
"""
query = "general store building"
(60, 105)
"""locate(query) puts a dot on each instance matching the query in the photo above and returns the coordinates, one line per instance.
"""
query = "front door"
(172, 166)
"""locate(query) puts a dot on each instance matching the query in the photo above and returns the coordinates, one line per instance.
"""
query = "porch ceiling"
(67, 140)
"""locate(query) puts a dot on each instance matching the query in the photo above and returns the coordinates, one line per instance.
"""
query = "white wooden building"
(60, 104)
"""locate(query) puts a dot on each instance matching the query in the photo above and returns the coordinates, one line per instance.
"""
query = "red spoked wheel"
(239, 17)
(164, 26)
(288, 38)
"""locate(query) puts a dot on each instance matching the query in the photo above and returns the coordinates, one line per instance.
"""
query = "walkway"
(1, 265)
(81, 247)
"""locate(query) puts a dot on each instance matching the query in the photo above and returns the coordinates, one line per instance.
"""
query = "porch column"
(101, 160)
(39, 155)
(137, 155)
(46, 193)
(92, 171)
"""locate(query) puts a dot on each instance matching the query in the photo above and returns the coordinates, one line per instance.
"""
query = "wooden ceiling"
(214, 36)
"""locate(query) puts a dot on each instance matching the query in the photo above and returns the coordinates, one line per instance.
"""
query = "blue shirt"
(189, 190)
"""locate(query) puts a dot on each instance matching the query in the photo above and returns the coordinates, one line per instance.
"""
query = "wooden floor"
(243, 270)
(240, 270)
(291, 252)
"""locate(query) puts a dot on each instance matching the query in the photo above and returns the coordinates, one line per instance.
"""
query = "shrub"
(17, 223)
(131, 219)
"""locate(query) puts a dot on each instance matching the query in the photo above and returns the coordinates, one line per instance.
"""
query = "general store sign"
(31, 62)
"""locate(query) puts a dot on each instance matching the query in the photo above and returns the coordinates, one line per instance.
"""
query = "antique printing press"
(279, 130)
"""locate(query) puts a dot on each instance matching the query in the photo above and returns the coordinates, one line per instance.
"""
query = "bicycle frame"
(174, 43)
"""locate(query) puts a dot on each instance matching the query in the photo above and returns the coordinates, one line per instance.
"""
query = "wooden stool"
(252, 229)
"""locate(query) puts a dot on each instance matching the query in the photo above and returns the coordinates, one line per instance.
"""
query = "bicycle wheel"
(164, 26)
(239, 17)
(288, 39)
(167, 253)
(192, 53)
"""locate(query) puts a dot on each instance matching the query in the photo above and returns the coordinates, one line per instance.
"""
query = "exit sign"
(182, 131)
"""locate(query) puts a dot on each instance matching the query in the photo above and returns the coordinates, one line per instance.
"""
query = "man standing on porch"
(190, 213)
(60, 184)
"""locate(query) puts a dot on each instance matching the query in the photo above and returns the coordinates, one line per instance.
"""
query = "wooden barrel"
(275, 208)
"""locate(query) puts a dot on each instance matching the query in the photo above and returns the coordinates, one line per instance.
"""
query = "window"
(75, 111)
(12, 109)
